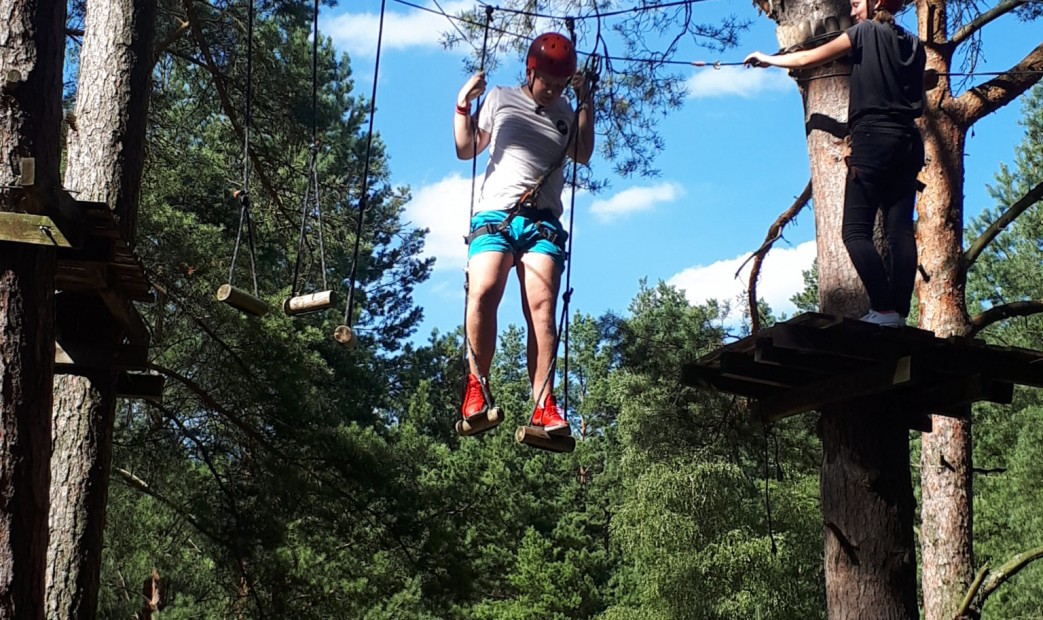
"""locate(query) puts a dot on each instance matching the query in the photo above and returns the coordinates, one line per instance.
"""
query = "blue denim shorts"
(521, 235)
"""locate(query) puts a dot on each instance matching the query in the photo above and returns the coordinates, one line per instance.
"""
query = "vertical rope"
(243, 195)
(468, 347)
(312, 187)
(364, 196)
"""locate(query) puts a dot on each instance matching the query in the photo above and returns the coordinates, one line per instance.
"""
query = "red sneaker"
(474, 398)
(549, 417)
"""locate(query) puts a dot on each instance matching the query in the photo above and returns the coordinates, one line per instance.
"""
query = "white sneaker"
(884, 319)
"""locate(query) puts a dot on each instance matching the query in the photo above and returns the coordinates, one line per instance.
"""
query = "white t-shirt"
(526, 141)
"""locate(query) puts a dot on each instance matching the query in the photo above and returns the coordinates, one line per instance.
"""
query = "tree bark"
(32, 49)
(84, 409)
(946, 533)
(106, 148)
(866, 486)
(946, 539)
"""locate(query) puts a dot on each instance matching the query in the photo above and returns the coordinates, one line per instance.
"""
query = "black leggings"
(882, 177)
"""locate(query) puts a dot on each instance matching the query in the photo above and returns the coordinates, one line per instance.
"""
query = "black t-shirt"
(886, 73)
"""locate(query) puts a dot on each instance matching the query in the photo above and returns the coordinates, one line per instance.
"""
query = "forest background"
(282, 476)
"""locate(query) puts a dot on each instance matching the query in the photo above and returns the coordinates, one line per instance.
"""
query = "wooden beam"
(951, 396)
(76, 358)
(144, 386)
(702, 377)
(1016, 366)
(746, 368)
(34, 229)
(859, 383)
(768, 353)
(854, 340)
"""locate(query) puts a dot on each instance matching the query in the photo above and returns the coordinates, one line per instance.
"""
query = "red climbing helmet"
(553, 54)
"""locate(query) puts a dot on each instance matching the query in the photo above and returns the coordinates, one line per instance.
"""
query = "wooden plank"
(745, 368)
(702, 377)
(144, 386)
(872, 344)
(33, 229)
(952, 395)
(73, 357)
(991, 362)
(768, 353)
(81, 277)
(859, 383)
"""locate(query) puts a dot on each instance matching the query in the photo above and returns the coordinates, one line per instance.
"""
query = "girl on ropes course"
(887, 95)
(528, 130)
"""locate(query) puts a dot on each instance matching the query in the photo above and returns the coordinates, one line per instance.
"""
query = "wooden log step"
(241, 300)
(539, 438)
(476, 425)
(312, 302)
(344, 337)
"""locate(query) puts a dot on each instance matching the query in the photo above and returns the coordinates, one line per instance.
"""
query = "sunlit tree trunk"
(946, 533)
(105, 160)
(31, 57)
(946, 539)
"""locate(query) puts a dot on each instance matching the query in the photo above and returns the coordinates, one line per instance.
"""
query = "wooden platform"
(817, 360)
(98, 281)
(105, 266)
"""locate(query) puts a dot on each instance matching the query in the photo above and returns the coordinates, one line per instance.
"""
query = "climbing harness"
(228, 293)
(299, 303)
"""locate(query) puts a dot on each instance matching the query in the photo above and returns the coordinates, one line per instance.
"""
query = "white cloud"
(357, 32)
(634, 200)
(781, 277)
(443, 208)
(737, 81)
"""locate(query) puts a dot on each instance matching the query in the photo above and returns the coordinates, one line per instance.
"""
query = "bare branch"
(212, 403)
(177, 33)
(139, 484)
(996, 314)
(774, 234)
(1033, 196)
(968, 30)
(984, 99)
(987, 581)
(1012, 567)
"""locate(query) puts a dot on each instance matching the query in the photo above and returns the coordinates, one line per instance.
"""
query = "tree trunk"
(105, 161)
(866, 487)
(945, 462)
(32, 49)
(84, 409)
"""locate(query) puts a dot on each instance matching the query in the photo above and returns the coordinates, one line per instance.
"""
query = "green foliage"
(691, 525)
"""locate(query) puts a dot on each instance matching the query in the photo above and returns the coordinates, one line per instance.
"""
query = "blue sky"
(694, 224)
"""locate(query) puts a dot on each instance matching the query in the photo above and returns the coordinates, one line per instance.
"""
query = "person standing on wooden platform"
(887, 152)
(529, 130)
